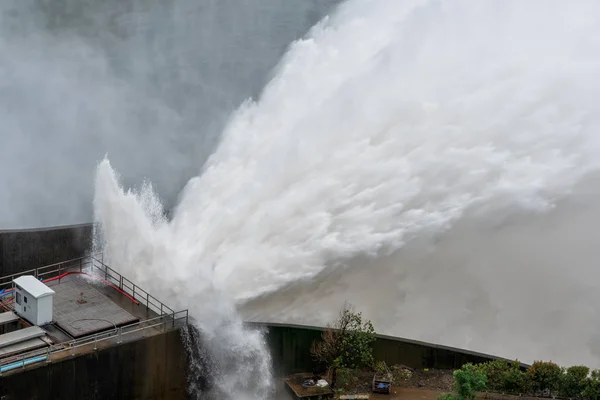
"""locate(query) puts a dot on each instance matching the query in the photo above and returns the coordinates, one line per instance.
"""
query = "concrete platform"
(97, 313)
(294, 385)
(8, 317)
(21, 347)
(22, 335)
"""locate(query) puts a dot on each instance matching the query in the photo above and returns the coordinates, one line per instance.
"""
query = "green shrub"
(467, 382)
(347, 377)
(515, 380)
(448, 396)
(592, 386)
(573, 381)
(494, 372)
(381, 368)
(502, 376)
(544, 376)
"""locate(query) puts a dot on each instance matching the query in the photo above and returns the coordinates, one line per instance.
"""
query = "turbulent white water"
(429, 161)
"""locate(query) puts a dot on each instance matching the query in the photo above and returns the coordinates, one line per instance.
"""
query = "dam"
(259, 163)
(111, 339)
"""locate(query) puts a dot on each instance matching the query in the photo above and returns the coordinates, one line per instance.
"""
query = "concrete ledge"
(21, 335)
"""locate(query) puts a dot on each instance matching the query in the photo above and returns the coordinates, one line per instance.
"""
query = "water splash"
(390, 123)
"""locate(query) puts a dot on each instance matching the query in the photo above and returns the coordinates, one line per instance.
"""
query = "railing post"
(173, 326)
(81, 265)
(121, 283)
(120, 334)
(161, 308)
(48, 355)
(133, 291)
(59, 268)
(147, 303)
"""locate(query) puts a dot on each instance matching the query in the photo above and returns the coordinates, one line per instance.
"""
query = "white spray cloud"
(149, 82)
(392, 123)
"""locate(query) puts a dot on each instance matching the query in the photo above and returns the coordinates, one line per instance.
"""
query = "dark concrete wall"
(290, 350)
(149, 368)
(22, 250)
(157, 367)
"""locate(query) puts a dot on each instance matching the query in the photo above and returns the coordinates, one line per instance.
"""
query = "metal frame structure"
(167, 318)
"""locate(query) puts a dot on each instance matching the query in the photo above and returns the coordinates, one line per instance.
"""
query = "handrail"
(166, 315)
(95, 339)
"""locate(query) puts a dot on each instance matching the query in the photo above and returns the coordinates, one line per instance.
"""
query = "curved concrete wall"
(21, 250)
(290, 350)
(158, 367)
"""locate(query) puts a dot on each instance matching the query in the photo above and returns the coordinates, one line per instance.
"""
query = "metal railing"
(161, 324)
(166, 317)
(127, 286)
(48, 271)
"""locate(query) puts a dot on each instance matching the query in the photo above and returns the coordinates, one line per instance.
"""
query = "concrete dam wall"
(157, 367)
(290, 350)
(22, 250)
(150, 368)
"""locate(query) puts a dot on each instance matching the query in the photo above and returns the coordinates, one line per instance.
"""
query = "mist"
(150, 83)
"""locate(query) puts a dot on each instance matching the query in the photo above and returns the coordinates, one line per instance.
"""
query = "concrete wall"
(157, 367)
(21, 250)
(290, 350)
(148, 368)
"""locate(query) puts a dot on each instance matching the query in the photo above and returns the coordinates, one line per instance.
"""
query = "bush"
(467, 382)
(381, 368)
(494, 372)
(346, 344)
(502, 376)
(515, 380)
(544, 376)
(592, 386)
(448, 396)
(574, 381)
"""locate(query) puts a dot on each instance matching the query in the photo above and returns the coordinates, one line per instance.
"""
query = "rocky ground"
(360, 381)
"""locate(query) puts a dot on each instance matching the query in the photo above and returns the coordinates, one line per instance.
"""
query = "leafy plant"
(495, 373)
(544, 376)
(573, 382)
(592, 386)
(515, 380)
(381, 368)
(448, 396)
(467, 382)
(503, 376)
(346, 344)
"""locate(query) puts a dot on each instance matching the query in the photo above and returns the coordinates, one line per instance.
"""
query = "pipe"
(23, 363)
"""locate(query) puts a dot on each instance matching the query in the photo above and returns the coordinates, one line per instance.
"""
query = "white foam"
(391, 121)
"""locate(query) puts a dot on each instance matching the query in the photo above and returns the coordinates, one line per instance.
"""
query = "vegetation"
(347, 344)
(545, 379)
(467, 382)
(592, 386)
(573, 382)
(504, 377)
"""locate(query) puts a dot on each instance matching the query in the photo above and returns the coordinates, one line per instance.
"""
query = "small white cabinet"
(33, 300)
